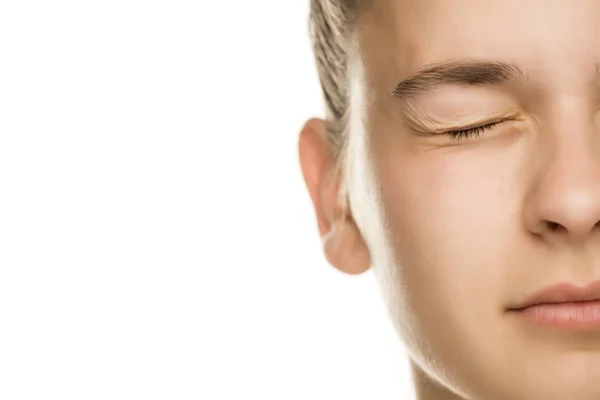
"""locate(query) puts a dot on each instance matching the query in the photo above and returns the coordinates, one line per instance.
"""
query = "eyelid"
(513, 116)
(470, 132)
(474, 125)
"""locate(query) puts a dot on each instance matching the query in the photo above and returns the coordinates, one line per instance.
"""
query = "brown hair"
(331, 23)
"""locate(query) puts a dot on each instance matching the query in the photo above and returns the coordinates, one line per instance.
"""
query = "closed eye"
(466, 133)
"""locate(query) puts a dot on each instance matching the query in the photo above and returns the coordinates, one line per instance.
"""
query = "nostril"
(555, 227)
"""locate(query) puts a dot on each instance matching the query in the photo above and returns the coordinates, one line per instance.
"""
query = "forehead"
(544, 37)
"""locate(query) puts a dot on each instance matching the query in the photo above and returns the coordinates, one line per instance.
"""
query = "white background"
(156, 238)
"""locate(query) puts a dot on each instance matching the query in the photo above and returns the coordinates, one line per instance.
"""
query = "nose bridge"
(565, 203)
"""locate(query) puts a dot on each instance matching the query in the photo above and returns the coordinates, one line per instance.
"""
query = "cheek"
(447, 215)
(444, 210)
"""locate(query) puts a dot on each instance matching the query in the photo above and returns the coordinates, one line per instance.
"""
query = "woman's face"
(476, 224)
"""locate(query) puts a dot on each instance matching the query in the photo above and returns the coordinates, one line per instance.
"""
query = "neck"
(428, 389)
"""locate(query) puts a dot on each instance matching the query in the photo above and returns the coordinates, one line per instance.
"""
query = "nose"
(563, 203)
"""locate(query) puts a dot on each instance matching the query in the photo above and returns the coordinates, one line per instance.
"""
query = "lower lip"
(574, 315)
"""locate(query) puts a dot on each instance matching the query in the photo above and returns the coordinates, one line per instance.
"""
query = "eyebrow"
(464, 73)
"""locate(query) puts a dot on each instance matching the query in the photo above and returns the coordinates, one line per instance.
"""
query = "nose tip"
(567, 213)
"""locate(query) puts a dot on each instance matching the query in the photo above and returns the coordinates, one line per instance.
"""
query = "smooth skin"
(478, 224)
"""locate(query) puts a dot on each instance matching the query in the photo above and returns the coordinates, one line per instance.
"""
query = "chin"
(557, 376)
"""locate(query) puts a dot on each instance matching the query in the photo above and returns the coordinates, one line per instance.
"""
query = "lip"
(563, 305)
(564, 292)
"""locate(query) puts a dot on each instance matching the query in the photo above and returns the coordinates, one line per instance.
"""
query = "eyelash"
(466, 133)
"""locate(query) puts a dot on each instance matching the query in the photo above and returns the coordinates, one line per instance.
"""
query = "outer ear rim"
(317, 161)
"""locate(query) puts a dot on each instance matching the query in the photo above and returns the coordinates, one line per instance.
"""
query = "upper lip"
(562, 293)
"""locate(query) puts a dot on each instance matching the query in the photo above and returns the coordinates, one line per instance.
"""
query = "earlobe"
(343, 244)
(345, 248)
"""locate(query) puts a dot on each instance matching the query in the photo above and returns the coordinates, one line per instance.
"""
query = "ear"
(344, 245)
